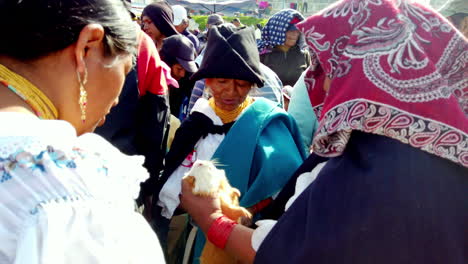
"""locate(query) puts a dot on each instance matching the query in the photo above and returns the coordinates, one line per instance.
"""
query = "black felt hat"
(231, 53)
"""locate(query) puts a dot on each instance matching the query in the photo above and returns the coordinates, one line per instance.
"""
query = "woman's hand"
(204, 210)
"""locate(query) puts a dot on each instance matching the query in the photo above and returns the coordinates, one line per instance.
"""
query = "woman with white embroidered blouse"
(67, 195)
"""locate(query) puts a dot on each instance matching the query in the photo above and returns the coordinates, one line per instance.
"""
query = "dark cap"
(180, 48)
(235, 20)
(214, 20)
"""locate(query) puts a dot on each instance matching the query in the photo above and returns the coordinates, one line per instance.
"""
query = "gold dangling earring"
(83, 101)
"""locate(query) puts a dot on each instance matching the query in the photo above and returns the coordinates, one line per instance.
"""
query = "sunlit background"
(307, 7)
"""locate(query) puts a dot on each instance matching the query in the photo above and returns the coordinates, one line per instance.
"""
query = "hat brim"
(189, 66)
(233, 58)
(203, 74)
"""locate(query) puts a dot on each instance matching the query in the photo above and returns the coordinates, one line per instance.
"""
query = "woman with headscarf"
(282, 46)
(270, 139)
(390, 88)
(157, 20)
(67, 195)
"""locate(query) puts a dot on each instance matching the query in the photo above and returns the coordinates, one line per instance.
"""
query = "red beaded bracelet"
(219, 231)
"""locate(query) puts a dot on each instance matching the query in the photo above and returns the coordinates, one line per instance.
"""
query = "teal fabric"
(302, 111)
(264, 144)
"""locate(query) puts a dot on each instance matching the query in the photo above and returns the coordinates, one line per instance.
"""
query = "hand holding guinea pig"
(212, 197)
(203, 209)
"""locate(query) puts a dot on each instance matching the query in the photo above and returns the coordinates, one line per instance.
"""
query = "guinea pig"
(207, 180)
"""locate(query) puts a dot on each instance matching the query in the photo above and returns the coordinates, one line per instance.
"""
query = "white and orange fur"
(206, 180)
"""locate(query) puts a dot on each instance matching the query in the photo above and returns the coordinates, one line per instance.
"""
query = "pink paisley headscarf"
(398, 69)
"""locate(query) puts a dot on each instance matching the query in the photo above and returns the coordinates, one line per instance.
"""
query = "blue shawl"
(263, 143)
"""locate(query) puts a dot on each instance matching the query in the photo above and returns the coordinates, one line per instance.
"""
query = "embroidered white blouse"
(68, 199)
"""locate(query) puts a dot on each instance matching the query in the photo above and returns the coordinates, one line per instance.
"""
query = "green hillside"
(246, 20)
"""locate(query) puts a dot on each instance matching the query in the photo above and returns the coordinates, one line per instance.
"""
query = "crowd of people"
(346, 133)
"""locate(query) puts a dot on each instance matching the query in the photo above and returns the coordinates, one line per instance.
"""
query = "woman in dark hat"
(394, 188)
(157, 20)
(271, 144)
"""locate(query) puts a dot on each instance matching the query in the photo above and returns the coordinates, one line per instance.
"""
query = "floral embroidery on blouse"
(25, 160)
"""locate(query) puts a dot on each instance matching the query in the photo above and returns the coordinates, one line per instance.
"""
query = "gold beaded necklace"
(35, 98)
(230, 116)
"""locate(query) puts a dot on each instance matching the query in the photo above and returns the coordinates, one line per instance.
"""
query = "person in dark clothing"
(179, 54)
(157, 20)
(181, 24)
(281, 47)
(138, 125)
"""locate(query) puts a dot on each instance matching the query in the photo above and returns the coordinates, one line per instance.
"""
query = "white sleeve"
(169, 195)
(72, 201)
(259, 234)
(303, 181)
(265, 226)
(87, 232)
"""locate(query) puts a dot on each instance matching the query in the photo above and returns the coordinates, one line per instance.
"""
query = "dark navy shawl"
(380, 202)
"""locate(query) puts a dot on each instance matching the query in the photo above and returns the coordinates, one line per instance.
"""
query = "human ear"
(90, 38)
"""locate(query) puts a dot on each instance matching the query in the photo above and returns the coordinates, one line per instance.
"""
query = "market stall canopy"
(214, 6)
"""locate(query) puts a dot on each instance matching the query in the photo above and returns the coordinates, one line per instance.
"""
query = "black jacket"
(139, 126)
(287, 65)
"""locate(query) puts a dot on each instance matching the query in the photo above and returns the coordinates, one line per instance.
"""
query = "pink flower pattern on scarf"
(398, 69)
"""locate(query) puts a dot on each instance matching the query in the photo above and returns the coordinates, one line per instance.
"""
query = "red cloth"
(398, 69)
(295, 20)
(167, 72)
(261, 205)
(151, 77)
